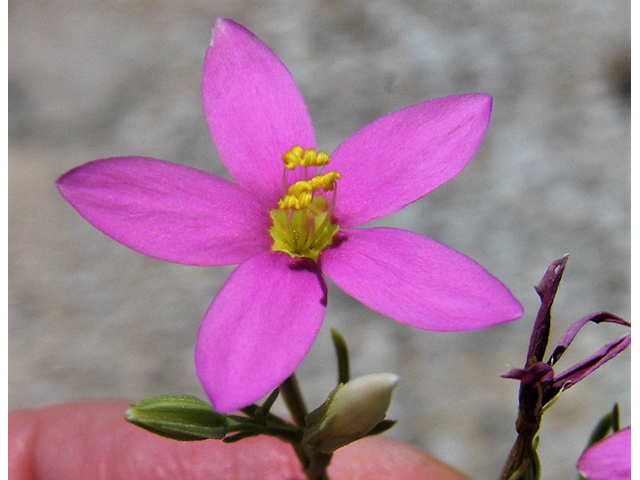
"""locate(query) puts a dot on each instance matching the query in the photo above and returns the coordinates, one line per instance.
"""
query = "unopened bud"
(352, 411)
(180, 417)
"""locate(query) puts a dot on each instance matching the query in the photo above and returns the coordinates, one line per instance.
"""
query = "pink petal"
(254, 109)
(609, 459)
(259, 328)
(169, 211)
(418, 281)
(403, 156)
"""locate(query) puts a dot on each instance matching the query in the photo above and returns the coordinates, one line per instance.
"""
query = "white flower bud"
(352, 410)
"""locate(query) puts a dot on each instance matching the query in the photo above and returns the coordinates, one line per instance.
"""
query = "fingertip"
(92, 440)
(21, 428)
(380, 457)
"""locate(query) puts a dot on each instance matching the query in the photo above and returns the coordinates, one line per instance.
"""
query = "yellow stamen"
(298, 156)
(293, 157)
(326, 182)
(302, 223)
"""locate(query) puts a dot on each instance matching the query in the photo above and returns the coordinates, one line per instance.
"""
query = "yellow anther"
(316, 183)
(301, 187)
(305, 158)
(295, 202)
(329, 180)
(302, 224)
(287, 203)
(309, 158)
(293, 157)
(313, 159)
(322, 159)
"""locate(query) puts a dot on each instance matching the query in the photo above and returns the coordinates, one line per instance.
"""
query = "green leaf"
(180, 417)
(610, 423)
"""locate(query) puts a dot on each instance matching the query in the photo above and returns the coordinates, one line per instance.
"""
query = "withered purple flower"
(539, 384)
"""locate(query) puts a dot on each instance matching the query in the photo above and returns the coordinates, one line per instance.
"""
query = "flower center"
(302, 225)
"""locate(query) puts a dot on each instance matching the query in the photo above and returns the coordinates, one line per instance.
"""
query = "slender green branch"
(255, 412)
(292, 397)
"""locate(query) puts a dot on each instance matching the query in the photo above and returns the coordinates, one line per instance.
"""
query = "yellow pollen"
(327, 181)
(302, 223)
(298, 156)
(293, 157)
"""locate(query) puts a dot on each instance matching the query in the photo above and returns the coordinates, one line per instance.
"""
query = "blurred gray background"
(98, 78)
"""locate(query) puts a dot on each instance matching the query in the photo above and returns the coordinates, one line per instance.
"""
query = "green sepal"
(610, 423)
(530, 464)
(382, 427)
(342, 352)
(262, 413)
(180, 417)
(241, 436)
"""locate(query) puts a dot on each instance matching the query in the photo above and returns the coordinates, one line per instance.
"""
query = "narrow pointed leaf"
(610, 423)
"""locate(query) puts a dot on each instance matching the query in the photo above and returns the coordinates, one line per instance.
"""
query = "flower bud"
(180, 417)
(352, 411)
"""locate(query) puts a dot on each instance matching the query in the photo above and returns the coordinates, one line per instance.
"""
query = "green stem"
(314, 463)
(292, 397)
(317, 469)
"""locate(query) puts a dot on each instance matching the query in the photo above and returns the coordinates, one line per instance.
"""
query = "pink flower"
(609, 459)
(287, 222)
